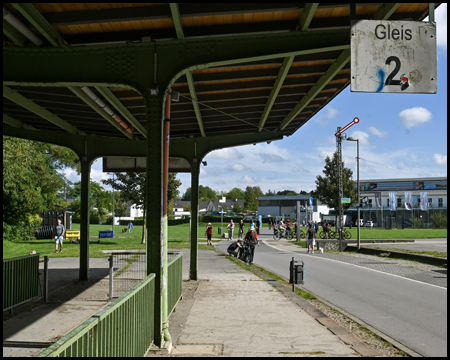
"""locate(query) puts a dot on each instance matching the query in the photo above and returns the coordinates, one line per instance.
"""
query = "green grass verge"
(304, 294)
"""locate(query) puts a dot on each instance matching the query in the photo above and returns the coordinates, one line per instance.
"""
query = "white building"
(286, 207)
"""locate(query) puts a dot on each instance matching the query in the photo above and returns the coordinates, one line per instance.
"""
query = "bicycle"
(287, 235)
(346, 234)
(241, 233)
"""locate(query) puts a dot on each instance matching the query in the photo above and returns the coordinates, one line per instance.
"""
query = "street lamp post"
(357, 177)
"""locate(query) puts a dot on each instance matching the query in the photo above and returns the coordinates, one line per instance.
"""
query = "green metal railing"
(20, 280)
(122, 328)
(175, 281)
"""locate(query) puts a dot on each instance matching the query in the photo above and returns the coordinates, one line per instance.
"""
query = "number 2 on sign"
(389, 79)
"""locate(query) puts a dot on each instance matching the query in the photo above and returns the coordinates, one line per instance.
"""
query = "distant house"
(205, 207)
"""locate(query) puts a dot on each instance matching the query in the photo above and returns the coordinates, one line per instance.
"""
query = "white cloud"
(377, 132)
(225, 154)
(250, 180)
(440, 159)
(271, 158)
(299, 169)
(322, 117)
(239, 167)
(362, 136)
(414, 117)
(97, 175)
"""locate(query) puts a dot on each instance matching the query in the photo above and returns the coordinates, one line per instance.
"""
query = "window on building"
(430, 202)
(440, 202)
(399, 202)
(370, 203)
(387, 202)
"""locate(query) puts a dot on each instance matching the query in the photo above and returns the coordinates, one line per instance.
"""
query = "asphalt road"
(439, 245)
(411, 312)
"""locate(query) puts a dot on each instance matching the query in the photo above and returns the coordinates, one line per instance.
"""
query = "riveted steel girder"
(132, 65)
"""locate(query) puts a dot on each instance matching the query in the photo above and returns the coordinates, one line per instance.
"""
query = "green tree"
(205, 193)
(120, 206)
(235, 193)
(237, 208)
(286, 193)
(99, 198)
(132, 187)
(251, 197)
(270, 193)
(327, 186)
(30, 183)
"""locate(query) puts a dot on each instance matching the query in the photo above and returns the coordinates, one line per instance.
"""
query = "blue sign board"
(310, 201)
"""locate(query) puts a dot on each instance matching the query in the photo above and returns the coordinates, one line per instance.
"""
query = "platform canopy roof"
(241, 96)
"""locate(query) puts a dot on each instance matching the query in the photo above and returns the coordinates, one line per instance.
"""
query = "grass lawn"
(178, 239)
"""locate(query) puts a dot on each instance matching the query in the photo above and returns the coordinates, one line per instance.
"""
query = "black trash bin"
(220, 230)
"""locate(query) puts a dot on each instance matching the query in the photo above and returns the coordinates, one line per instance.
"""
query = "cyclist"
(326, 230)
(230, 228)
(241, 228)
(281, 228)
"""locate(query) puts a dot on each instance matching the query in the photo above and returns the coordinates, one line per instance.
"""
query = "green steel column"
(154, 206)
(195, 172)
(84, 218)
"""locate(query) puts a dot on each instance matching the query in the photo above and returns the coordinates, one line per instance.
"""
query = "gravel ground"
(383, 347)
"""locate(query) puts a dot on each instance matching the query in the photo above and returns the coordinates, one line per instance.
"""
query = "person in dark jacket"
(232, 248)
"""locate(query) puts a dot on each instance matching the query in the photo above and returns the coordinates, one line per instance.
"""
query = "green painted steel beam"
(16, 123)
(40, 23)
(176, 17)
(103, 65)
(385, 11)
(83, 96)
(180, 35)
(306, 16)
(195, 102)
(21, 100)
(108, 95)
(287, 62)
(15, 36)
(340, 62)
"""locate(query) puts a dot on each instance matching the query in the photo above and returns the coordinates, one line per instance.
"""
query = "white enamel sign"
(393, 56)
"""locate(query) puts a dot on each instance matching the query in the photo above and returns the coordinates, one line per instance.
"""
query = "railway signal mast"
(339, 136)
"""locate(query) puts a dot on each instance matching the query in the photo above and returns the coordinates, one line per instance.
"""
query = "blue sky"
(401, 136)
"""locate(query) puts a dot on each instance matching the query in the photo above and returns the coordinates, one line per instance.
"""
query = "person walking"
(59, 232)
(130, 227)
(252, 238)
(209, 231)
(270, 223)
(310, 242)
(230, 228)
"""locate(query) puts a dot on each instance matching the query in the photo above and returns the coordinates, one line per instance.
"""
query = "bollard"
(296, 273)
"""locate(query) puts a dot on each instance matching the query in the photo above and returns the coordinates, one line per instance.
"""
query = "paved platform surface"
(230, 311)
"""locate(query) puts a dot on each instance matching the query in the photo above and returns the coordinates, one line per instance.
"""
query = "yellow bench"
(73, 234)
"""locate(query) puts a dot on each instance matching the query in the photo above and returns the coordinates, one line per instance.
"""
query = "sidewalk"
(230, 311)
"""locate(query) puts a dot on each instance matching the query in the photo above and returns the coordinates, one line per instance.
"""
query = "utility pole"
(341, 188)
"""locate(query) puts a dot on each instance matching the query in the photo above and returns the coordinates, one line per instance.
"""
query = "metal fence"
(122, 328)
(126, 270)
(175, 280)
(20, 280)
